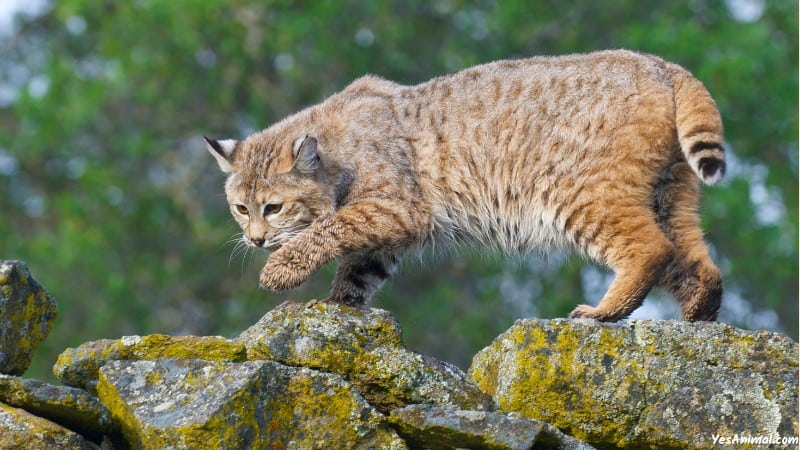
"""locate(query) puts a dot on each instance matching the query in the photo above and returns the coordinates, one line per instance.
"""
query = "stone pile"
(319, 375)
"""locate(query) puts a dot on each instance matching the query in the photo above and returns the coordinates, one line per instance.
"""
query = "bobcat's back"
(519, 153)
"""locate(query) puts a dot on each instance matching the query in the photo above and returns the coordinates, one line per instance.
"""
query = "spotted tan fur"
(601, 153)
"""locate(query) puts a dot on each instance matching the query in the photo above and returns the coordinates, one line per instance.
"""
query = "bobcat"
(600, 153)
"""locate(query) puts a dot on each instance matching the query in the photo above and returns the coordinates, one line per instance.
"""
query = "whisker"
(234, 253)
(236, 238)
(247, 249)
(243, 250)
(240, 247)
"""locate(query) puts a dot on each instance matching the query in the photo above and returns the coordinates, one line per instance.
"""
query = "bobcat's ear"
(222, 151)
(306, 157)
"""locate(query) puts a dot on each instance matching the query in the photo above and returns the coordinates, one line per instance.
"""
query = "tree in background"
(107, 192)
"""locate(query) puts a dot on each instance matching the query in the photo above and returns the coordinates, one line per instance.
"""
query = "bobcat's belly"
(522, 228)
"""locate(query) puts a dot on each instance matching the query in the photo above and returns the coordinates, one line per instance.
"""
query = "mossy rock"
(78, 367)
(188, 404)
(365, 346)
(26, 315)
(644, 384)
(20, 429)
(437, 428)
(70, 407)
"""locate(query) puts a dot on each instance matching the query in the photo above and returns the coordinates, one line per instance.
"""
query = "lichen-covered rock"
(78, 367)
(188, 404)
(70, 407)
(365, 347)
(394, 377)
(435, 427)
(20, 429)
(644, 384)
(26, 315)
(319, 334)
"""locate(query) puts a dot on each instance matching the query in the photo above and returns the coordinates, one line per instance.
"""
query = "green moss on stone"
(70, 407)
(258, 405)
(27, 312)
(79, 367)
(365, 347)
(22, 430)
(647, 384)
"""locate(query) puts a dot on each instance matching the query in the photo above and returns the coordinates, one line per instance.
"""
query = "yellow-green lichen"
(264, 405)
(78, 367)
(363, 346)
(646, 384)
(323, 399)
(550, 372)
(27, 312)
(120, 412)
(20, 429)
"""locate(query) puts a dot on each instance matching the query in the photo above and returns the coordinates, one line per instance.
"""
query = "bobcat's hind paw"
(585, 312)
(280, 274)
(588, 312)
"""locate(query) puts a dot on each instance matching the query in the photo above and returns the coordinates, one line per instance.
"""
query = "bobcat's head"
(275, 189)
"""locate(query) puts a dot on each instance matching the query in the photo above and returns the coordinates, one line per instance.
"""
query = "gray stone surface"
(364, 345)
(435, 427)
(26, 315)
(66, 406)
(20, 429)
(321, 375)
(644, 384)
(78, 367)
(187, 404)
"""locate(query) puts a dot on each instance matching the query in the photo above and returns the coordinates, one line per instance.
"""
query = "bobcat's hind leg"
(359, 276)
(638, 252)
(691, 277)
(696, 284)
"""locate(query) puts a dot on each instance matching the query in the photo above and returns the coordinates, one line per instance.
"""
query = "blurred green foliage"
(107, 191)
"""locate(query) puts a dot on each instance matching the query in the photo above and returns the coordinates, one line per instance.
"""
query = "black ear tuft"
(223, 151)
(213, 144)
(306, 155)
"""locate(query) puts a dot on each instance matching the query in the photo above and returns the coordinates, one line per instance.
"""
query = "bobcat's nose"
(258, 242)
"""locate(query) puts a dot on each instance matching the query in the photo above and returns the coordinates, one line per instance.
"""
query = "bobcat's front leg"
(359, 276)
(289, 266)
(362, 227)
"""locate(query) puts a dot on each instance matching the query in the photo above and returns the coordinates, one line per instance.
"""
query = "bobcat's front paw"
(281, 273)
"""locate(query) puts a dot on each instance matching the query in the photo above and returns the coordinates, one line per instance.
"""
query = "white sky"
(8, 8)
(741, 10)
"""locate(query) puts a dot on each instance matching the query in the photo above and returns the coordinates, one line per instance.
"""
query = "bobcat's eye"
(272, 208)
(241, 209)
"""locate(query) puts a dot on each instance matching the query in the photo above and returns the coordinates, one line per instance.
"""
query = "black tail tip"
(711, 169)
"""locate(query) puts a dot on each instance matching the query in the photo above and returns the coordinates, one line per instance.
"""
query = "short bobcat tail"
(699, 126)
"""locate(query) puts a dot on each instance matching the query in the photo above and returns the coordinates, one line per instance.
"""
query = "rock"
(187, 404)
(26, 315)
(321, 375)
(78, 367)
(70, 407)
(644, 384)
(20, 429)
(435, 427)
(365, 347)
